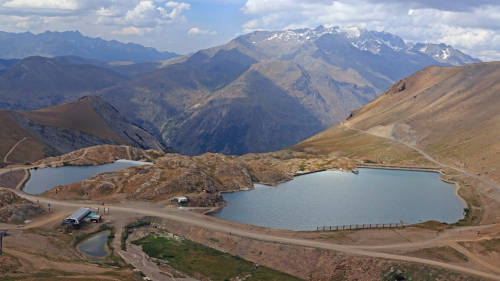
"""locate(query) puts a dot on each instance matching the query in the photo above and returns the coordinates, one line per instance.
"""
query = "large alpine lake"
(334, 198)
(44, 179)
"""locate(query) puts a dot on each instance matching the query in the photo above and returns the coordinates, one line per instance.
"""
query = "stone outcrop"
(14, 209)
(201, 178)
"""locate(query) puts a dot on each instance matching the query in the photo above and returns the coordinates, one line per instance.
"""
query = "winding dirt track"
(5, 158)
(430, 158)
(199, 220)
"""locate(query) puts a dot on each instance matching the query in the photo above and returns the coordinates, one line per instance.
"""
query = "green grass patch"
(195, 259)
(266, 273)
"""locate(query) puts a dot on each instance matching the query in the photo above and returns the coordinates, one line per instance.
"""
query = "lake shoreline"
(339, 192)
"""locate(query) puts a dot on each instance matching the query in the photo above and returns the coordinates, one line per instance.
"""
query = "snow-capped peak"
(351, 32)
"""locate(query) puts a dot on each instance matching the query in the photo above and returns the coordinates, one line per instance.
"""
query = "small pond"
(44, 179)
(95, 246)
(334, 198)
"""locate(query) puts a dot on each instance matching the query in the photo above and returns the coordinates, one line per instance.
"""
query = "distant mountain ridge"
(73, 43)
(374, 42)
(38, 82)
(260, 92)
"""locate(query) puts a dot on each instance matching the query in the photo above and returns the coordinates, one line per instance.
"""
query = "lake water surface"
(333, 198)
(44, 179)
(96, 245)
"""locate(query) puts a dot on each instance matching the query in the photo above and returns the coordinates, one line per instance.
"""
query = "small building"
(181, 199)
(95, 218)
(77, 217)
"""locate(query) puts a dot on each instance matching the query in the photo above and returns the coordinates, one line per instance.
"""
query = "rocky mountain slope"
(32, 135)
(266, 90)
(14, 209)
(73, 43)
(450, 113)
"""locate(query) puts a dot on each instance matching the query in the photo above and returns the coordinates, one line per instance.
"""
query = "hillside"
(38, 82)
(267, 90)
(450, 113)
(33, 135)
(73, 43)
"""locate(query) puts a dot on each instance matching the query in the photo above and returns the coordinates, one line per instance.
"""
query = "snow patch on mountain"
(371, 41)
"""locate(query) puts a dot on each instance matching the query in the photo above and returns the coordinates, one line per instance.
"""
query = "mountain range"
(73, 43)
(33, 135)
(266, 90)
(260, 92)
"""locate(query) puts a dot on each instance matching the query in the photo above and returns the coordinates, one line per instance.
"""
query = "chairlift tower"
(2, 234)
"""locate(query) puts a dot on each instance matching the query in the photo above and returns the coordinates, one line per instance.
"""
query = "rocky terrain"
(98, 155)
(33, 135)
(202, 178)
(14, 209)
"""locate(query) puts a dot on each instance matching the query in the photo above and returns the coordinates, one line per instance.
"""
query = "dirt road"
(6, 157)
(430, 158)
(213, 225)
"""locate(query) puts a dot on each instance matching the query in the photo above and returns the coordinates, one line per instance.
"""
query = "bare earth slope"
(451, 113)
(33, 135)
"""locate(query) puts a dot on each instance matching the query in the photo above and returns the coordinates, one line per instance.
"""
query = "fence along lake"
(332, 198)
(46, 178)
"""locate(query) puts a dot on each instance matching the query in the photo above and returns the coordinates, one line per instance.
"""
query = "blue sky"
(184, 26)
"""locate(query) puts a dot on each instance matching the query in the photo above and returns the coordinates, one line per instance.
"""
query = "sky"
(184, 26)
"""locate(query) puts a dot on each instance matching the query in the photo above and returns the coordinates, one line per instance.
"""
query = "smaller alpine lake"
(95, 246)
(334, 198)
(44, 179)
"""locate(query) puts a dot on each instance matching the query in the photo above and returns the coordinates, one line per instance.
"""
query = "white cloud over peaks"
(472, 26)
(148, 14)
(176, 9)
(198, 31)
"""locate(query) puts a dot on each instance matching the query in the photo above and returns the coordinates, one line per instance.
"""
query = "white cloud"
(43, 4)
(176, 9)
(471, 27)
(198, 31)
(148, 14)
(132, 30)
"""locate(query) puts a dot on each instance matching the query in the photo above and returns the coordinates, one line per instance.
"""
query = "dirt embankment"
(14, 209)
(305, 262)
(11, 179)
(98, 155)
